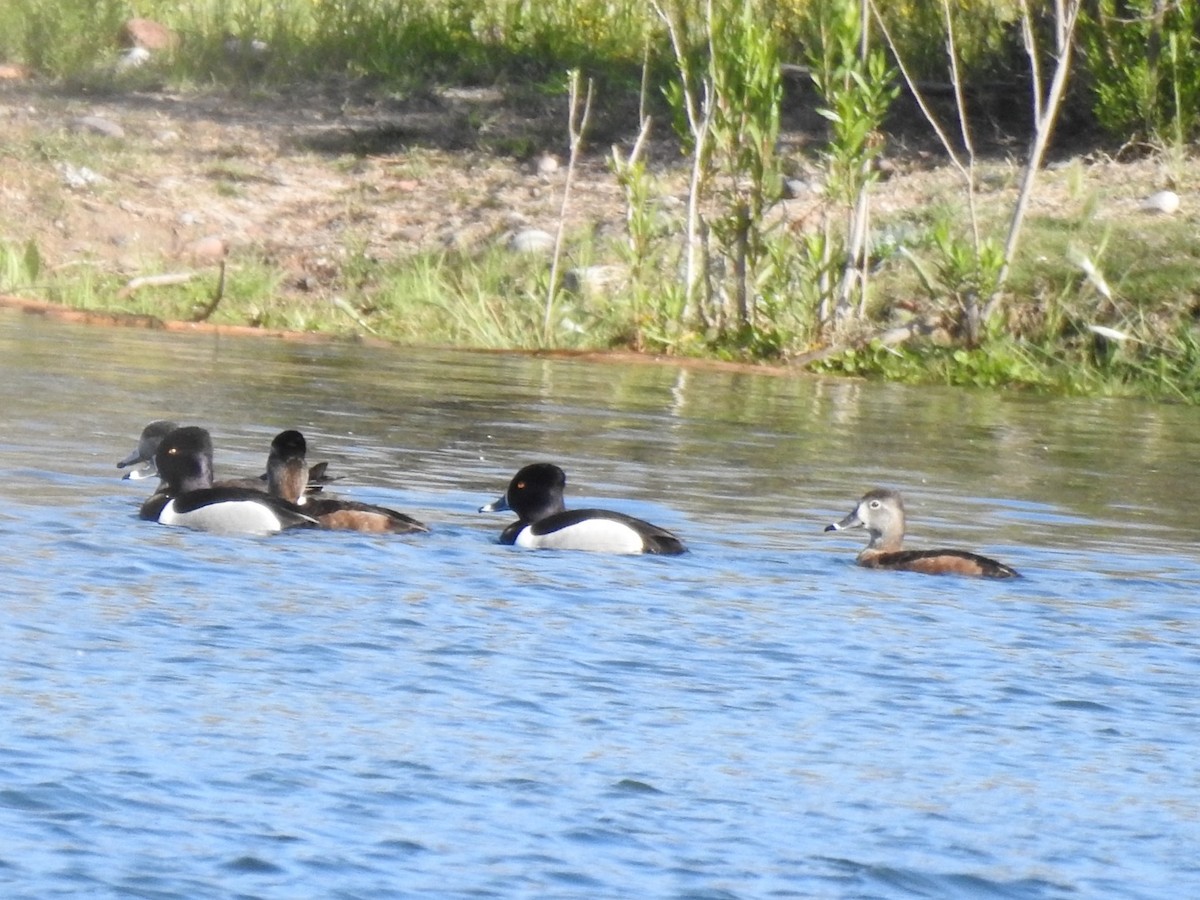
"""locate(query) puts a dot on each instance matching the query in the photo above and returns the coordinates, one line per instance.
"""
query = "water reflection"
(729, 443)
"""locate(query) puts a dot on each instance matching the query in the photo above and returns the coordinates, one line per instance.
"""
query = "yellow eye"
(173, 450)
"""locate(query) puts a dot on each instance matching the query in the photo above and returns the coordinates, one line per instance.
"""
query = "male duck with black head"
(188, 498)
(287, 477)
(881, 513)
(140, 462)
(535, 494)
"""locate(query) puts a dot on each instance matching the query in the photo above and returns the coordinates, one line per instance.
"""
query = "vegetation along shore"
(998, 193)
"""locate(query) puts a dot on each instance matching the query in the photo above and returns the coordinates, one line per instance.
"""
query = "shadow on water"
(192, 715)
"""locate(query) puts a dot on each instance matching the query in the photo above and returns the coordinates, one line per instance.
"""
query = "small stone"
(132, 58)
(210, 249)
(794, 187)
(146, 34)
(592, 281)
(242, 50)
(78, 176)
(531, 240)
(14, 72)
(98, 125)
(1164, 202)
(547, 164)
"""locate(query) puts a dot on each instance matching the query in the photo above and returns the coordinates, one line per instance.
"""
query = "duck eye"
(520, 485)
(875, 504)
(171, 451)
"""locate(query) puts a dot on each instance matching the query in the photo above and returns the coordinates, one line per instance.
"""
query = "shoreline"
(100, 318)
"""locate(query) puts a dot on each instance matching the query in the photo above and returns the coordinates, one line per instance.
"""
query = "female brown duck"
(881, 512)
(287, 477)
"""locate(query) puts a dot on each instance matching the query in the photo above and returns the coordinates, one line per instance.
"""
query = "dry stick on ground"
(170, 278)
(576, 126)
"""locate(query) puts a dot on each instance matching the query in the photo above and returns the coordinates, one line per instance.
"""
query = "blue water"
(332, 715)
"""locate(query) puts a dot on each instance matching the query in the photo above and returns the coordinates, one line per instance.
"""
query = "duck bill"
(144, 470)
(846, 524)
(132, 459)
(500, 504)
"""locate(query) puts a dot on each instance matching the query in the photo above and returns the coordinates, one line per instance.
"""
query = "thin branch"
(203, 313)
(915, 90)
(700, 116)
(1045, 125)
(576, 126)
(960, 103)
(1031, 50)
(341, 304)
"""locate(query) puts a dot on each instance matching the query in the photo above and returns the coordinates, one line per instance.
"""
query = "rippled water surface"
(333, 715)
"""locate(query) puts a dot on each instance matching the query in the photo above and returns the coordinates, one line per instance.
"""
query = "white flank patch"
(599, 535)
(227, 517)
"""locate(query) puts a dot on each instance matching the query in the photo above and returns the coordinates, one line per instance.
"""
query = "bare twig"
(206, 311)
(1035, 65)
(644, 87)
(340, 303)
(917, 92)
(577, 123)
(964, 125)
(622, 166)
(699, 115)
(1066, 15)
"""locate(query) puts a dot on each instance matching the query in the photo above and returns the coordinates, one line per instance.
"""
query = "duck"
(287, 477)
(140, 463)
(189, 497)
(881, 512)
(535, 494)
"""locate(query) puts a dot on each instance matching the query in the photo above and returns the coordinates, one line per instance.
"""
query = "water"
(335, 715)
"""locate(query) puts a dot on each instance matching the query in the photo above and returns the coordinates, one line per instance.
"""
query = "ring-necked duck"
(184, 462)
(536, 495)
(881, 512)
(142, 461)
(287, 477)
(142, 457)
